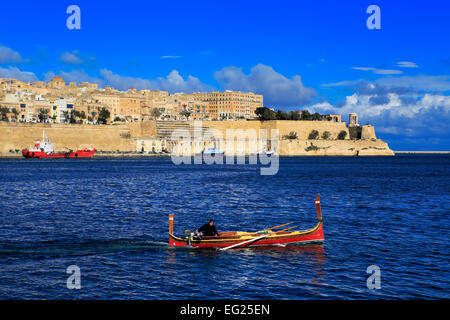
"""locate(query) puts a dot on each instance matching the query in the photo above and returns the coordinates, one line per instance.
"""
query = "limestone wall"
(334, 148)
(368, 132)
(129, 136)
(145, 129)
(19, 136)
(302, 128)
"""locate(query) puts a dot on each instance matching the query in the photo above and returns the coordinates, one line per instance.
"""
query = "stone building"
(230, 104)
(57, 83)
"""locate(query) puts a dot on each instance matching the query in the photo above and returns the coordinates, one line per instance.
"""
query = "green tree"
(43, 114)
(291, 136)
(76, 114)
(66, 116)
(103, 115)
(342, 135)
(316, 116)
(265, 114)
(15, 113)
(156, 113)
(295, 115)
(306, 115)
(185, 113)
(281, 115)
(326, 135)
(313, 135)
(4, 112)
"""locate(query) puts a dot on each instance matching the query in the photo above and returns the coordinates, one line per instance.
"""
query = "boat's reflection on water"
(309, 256)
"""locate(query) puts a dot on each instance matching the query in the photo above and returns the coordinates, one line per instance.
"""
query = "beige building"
(231, 104)
(109, 101)
(331, 117)
(130, 106)
(57, 83)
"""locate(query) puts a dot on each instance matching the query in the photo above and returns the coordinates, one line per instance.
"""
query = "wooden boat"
(266, 237)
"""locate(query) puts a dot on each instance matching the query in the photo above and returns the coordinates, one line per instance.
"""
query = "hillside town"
(86, 116)
(59, 102)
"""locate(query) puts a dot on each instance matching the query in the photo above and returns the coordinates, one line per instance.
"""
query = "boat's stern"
(174, 241)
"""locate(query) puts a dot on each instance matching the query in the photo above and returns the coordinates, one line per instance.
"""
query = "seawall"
(17, 136)
(127, 137)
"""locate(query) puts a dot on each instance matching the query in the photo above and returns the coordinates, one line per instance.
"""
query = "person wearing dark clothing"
(208, 229)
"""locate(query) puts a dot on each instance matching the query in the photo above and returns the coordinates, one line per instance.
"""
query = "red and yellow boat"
(266, 237)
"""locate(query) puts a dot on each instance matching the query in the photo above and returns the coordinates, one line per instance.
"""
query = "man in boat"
(208, 229)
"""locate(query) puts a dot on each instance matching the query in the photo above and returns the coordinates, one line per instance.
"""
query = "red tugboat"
(266, 237)
(44, 149)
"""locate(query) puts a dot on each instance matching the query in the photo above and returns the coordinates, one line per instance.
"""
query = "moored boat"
(44, 149)
(212, 151)
(266, 237)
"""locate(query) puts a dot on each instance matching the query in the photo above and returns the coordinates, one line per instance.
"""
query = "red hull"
(85, 153)
(314, 235)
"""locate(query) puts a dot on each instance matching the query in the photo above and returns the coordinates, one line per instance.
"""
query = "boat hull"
(85, 153)
(288, 238)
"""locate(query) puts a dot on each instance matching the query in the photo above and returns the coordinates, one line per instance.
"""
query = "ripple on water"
(109, 216)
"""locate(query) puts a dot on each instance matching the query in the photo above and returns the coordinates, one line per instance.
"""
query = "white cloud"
(387, 71)
(278, 90)
(74, 76)
(407, 64)
(170, 57)
(426, 115)
(344, 83)
(419, 83)
(71, 57)
(174, 82)
(378, 71)
(363, 68)
(16, 73)
(439, 83)
(7, 55)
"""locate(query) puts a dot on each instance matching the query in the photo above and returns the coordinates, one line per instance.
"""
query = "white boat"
(212, 151)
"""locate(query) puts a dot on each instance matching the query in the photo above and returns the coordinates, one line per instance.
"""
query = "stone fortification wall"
(128, 137)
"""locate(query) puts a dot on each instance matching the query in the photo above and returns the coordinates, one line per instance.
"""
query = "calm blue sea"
(110, 218)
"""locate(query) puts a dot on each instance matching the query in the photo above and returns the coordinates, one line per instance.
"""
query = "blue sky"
(300, 54)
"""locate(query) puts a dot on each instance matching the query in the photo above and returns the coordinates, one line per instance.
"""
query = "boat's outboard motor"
(189, 234)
